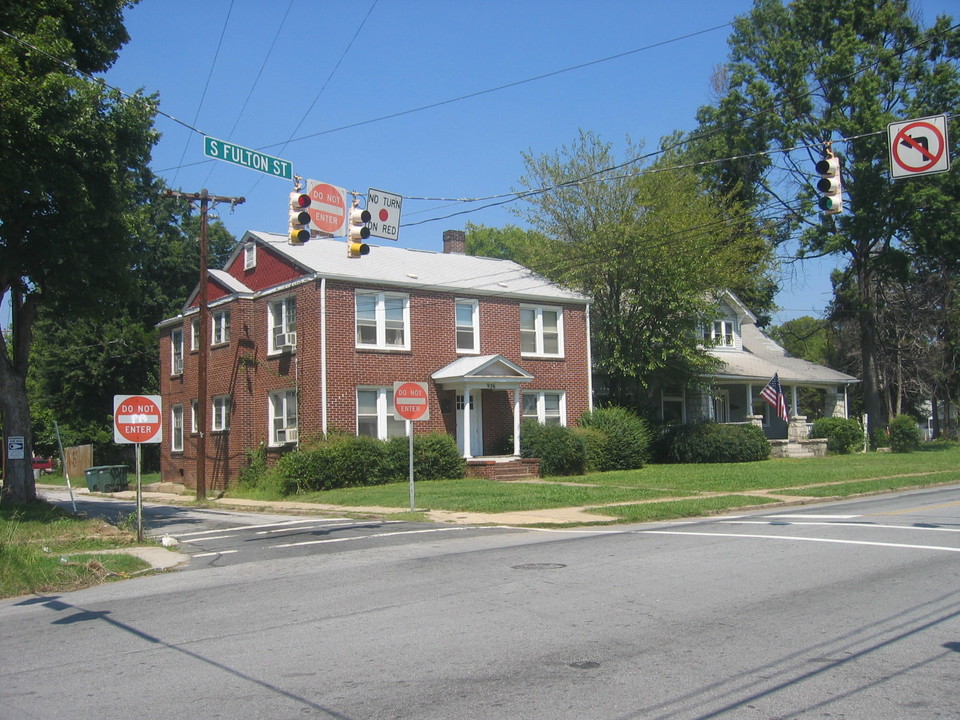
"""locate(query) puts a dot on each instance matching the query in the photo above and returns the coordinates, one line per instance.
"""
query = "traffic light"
(357, 232)
(829, 186)
(299, 231)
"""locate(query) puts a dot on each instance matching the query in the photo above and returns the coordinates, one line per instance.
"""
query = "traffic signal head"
(357, 232)
(299, 231)
(829, 186)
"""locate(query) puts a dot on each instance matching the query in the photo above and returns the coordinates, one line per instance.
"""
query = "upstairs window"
(195, 334)
(541, 331)
(249, 256)
(720, 333)
(467, 326)
(383, 320)
(221, 327)
(176, 352)
(283, 324)
(221, 414)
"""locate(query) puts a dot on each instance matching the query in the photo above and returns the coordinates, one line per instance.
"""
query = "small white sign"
(919, 147)
(15, 447)
(384, 210)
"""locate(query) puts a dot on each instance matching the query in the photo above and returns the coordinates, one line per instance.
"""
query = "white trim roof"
(404, 267)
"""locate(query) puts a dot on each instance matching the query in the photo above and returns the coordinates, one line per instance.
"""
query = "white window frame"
(249, 256)
(387, 426)
(721, 333)
(538, 331)
(673, 394)
(281, 323)
(284, 417)
(193, 416)
(195, 334)
(473, 328)
(176, 352)
(379, 322)
(220, 413)
(542, 415)
(220, 334)
(176, 425)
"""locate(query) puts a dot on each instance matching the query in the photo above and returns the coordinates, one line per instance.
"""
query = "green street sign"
(245, 157)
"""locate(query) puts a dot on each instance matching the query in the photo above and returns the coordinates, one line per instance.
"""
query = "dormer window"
(249, 256)
(720, 333)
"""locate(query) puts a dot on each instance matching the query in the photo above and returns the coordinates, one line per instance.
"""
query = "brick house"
(304, 341)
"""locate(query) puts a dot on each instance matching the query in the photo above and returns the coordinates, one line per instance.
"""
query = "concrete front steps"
(504, 468)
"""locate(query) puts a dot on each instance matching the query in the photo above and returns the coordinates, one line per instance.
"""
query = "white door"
(476, 424)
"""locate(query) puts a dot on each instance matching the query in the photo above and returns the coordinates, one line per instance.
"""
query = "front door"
(476, 424)
(721, 406)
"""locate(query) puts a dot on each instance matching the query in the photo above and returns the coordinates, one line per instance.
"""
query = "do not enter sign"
(137, 419)
(411, 401)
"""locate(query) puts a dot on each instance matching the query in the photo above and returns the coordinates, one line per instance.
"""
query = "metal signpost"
(411, 402)
(137, 419)
(245, 157)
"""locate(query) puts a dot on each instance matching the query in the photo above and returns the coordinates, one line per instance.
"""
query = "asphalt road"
(846, 610)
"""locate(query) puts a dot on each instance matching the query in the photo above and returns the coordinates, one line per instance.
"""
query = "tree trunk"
(872, 404)
(19, 487)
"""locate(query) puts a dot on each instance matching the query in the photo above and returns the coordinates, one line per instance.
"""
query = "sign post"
(411, 402)
(918, 147)
(137, 419)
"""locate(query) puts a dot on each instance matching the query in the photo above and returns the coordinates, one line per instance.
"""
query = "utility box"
(106, 478)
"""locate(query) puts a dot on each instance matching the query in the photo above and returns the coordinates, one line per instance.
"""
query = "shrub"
(713, 443)
(594, 445)
(435, 457)
(904, 434)
(560, 449)
(628, 438)
(844, 435)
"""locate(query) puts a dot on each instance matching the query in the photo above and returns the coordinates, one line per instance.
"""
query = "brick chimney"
(454, 241)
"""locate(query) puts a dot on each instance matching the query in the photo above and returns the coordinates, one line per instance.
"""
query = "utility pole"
(205, 199)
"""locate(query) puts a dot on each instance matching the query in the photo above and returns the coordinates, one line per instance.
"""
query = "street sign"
(918, 147)
(384, 210)
(328, 208)
(15, 447)
(245, 157)
(137, 419)
(411, 401)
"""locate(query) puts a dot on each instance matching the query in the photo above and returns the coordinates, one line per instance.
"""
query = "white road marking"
(386, 534)
(804, 539)
(211, 554)
(844, 524)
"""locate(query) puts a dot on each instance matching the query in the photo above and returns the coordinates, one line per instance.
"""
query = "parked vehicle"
(44, 465)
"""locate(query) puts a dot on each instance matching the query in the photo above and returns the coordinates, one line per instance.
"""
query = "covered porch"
(484, 398)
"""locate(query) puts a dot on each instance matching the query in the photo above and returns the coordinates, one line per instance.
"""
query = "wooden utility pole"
(205, 199)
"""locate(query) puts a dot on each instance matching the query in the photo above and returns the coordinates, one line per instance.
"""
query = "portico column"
(794, 408)
(467, 434)
(516, 422)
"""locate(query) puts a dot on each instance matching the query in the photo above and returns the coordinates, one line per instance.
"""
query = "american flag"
(773, 394)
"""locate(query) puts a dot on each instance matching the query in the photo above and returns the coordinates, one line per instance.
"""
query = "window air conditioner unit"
(287, 341)
(293, 434)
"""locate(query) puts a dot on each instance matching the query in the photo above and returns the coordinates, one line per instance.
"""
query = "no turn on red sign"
(411, 401)
(137, 419)
(919, 147)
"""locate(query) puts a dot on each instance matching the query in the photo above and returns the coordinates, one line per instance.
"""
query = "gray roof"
(394, 265)
(762, 357)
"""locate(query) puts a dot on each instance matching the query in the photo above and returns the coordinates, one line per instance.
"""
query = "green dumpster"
(106, 478)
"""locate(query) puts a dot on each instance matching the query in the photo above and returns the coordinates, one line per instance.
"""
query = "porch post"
(467, 435)
(516, 421)
(793, 401)
(749, 398)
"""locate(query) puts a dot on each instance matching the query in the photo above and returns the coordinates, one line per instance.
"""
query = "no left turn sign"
(919, 147)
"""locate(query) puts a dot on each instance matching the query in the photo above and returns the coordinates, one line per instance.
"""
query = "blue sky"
(310, 81)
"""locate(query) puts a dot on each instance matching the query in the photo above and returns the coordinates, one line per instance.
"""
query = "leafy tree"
(651, 249)
(77, 368)
(810, 75)
(509, 242)
(73, 163)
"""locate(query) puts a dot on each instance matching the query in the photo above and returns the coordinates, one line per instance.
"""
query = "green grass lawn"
(936, 463)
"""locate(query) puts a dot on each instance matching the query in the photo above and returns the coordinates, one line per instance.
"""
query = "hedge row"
(712, 443)
(352, 461)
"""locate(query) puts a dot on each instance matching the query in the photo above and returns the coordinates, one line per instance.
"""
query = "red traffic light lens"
(300, 200)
